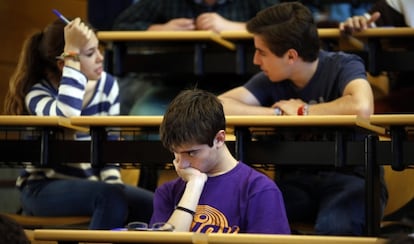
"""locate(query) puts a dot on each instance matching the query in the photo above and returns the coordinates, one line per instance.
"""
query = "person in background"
(214, 191)
(391, 13)
(11, 232)
(298, 78)
(341, 11)
(149, 94)
(215, 15)
(397, 13)
(59, 73)
(102, 13)
(329, 14)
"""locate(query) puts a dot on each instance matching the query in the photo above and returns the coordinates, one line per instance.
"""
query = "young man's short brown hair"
(193, 117)
(287, 25)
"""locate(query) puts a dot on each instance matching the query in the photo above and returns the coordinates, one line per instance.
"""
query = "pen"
(58, 14)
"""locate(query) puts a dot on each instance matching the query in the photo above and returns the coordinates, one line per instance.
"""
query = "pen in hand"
(60, 16)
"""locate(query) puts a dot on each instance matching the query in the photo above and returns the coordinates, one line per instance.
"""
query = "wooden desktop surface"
(232, 120)
(29, 120)
(164, 36)
(154, 35)
(112, 236)
(123, 120)
(210, 35)
(393, 119)
(375, 123)
(242, 120)
(189, 237)
(372, 32)
(38, 121)
(218, 238)
(335, 33)
(311, 120)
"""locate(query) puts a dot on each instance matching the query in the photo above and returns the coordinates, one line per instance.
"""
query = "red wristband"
(304, 109)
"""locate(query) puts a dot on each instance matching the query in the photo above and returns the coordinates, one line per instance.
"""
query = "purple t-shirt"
(242, 200)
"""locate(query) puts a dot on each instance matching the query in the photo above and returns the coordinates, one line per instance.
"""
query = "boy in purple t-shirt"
(215, 192)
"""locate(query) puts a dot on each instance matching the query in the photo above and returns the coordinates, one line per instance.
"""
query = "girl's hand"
(77, 35)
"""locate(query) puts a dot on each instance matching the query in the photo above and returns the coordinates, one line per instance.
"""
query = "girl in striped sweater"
(60, 72)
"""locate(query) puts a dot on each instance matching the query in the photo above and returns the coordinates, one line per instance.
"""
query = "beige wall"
(18, 19)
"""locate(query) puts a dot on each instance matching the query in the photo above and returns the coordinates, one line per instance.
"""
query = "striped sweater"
(73, 98)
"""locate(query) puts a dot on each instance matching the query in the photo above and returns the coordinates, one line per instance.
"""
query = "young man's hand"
(180, 24)
(358, 23)
(216, 23)
(188, 173)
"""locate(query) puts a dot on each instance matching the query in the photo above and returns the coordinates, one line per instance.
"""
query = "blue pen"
(58, 14)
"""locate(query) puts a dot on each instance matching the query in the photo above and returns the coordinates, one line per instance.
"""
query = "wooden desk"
(379, 59)
(139, 148)
(231, 121)
(400, 129)
(118, 39)
(118, 121)
(27, 120)
(104, 151)
(189, 237)
(44, 128)
(75, 236)
(392, 119)
(275, 121)
(218, 238)
(146, 151)
(337, 152)
(114, 36)
(335, 32)
(370, 44)
(98, 124)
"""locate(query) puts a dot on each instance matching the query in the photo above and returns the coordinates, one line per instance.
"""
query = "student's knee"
(112, 195)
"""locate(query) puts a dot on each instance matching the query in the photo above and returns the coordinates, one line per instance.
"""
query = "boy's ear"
(220, 138)
(292, 54)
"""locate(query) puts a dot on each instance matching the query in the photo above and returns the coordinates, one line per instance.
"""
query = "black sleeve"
(389, 16)
(101, 14)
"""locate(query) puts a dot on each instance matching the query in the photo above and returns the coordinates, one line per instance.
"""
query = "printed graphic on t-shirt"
(210, 220)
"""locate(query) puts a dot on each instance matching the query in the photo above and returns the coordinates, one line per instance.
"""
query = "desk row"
(89, 236)
(371, 44)
(83, 122)
(335, 148)
(47, 140)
